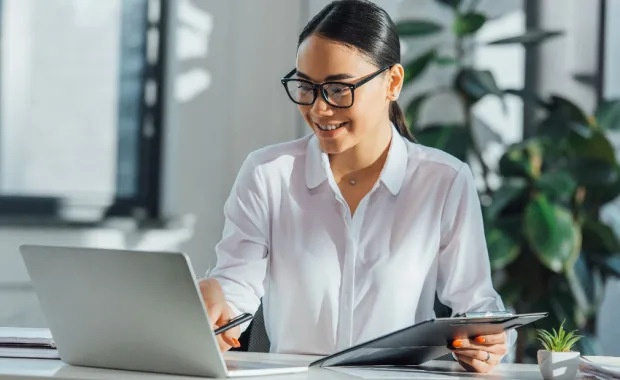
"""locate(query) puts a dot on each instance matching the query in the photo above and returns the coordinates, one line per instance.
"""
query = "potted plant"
(557, 361)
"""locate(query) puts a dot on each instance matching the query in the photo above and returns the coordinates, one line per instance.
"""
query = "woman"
(349, 233)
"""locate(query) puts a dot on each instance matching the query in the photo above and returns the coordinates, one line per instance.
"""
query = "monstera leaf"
(551, 233)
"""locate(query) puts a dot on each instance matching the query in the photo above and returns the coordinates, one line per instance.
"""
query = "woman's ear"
(397, 76)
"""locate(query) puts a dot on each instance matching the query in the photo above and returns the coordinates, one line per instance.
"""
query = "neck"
(372, 150)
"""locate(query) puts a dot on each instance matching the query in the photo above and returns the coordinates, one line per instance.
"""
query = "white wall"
(573, 53)
(249, 47)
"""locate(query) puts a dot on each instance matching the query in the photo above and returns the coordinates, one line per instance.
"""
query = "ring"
(488, 357)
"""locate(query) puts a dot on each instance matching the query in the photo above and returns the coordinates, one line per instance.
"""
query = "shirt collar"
(392, 175)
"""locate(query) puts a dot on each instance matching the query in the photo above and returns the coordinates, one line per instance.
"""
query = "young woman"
(349, 233)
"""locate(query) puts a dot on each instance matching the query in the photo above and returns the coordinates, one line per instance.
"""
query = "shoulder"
(433, 160)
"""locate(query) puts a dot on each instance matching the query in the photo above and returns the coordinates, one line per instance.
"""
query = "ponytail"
(398, 118)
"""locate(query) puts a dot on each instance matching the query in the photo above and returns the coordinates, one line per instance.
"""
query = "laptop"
(130, 310)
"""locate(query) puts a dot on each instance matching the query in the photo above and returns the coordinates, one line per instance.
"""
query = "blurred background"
(123, 124)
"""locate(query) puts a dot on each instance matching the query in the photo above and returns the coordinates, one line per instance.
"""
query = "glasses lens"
(338, 94)
(300, 92)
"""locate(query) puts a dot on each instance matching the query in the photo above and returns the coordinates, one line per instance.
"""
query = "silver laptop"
(130, 310)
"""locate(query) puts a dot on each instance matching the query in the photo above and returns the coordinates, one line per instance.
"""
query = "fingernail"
(480, 339)
(457, 344)
(236, 342)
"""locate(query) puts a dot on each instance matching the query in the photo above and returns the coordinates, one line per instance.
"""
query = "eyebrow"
(328, 78)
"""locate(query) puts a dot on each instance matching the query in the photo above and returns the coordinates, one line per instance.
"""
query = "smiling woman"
(351, 232)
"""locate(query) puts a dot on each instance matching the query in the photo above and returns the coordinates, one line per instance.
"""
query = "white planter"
(558, 365)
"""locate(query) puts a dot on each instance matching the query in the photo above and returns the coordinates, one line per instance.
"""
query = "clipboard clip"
(484, 314)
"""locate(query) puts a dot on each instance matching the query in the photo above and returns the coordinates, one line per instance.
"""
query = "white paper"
(30, 353)
(25, 335)
(601, 367)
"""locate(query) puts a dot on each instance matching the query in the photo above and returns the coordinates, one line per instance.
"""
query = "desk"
(14, 369)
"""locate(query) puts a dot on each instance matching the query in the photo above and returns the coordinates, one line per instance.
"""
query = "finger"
(474, 364)
(490, 339)
(498, 349)
(222, 344)
(229, 336)
(476, 354)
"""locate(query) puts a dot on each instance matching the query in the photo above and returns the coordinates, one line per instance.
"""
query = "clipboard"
(424, 341)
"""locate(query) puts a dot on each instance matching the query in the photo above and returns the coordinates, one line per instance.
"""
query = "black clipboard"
(424, 341)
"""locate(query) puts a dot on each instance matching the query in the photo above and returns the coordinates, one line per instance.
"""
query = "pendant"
(352, 182)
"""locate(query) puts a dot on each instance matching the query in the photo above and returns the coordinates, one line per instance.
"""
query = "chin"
(333, 147)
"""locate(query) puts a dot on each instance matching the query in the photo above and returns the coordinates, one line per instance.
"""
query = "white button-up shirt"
(329, 280)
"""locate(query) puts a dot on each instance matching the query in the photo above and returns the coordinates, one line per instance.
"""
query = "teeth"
(330, 127)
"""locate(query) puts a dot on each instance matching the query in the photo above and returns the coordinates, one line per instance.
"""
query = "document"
(600, 367)
(25, 336)
(17, 342)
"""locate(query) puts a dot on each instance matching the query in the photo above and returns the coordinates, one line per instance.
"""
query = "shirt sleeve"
(242, 251)
(464, 279)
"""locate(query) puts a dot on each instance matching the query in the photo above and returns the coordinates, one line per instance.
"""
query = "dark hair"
(366, 27)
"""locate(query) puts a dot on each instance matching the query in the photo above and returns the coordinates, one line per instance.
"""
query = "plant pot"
(558, 365)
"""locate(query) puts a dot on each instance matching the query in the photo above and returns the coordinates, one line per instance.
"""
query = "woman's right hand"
(219, 313)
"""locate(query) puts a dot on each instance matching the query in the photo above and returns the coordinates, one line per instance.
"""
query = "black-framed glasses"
(336, 94)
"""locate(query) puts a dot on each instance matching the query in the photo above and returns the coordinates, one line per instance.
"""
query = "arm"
(242, 251)
(464, 278)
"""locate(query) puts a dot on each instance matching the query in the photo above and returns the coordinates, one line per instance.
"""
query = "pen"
(234, 322)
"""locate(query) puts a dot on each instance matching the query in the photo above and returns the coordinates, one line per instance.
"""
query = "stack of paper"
(27, 343)
(600, 367)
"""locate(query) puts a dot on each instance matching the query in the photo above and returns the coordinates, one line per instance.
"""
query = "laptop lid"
(124, 309)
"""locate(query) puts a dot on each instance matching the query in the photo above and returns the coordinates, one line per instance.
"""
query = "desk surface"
(38, 368)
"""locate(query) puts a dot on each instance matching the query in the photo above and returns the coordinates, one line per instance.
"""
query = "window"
(80, 109)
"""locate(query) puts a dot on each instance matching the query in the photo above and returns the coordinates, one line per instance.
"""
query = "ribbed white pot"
(558, 365)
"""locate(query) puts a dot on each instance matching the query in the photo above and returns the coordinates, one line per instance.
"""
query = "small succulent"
(559, 341)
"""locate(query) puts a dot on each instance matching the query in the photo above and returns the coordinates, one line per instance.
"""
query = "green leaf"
(452, 139)
(503, 249)
(596, 147)
(451, 3)
(551, 233)
(530, 37)
(599, 237)
(412, 112)
(476, 84)
(591, 172)
(503, 196)
(469, 23)
(522, 160)
(563, 117)
(558, 185)
(417, 28)
(416, 67)
(608, 115)
(446, 61)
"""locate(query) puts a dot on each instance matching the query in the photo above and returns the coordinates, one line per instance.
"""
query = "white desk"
(21, 369)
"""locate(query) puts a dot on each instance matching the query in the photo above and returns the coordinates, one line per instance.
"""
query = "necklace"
(352, 182)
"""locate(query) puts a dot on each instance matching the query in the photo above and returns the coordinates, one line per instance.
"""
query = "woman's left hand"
(480, 354)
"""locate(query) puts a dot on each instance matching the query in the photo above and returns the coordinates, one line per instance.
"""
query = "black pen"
(234, 322)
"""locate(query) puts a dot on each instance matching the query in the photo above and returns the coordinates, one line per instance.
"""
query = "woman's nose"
(320, 106)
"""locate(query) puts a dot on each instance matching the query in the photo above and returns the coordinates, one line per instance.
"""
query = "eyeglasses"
(336, 94)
